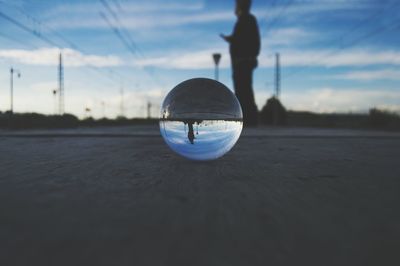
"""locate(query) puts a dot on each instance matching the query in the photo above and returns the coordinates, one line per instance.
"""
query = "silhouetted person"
(244, 47)
(191, 133)
(190, 123)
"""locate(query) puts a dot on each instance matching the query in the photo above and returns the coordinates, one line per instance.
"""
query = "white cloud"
(386, 74)
(287, 36)
(328, 100)
(49, 57)
(321, 58)
(202, 59)
(196, 60)
(293, 58)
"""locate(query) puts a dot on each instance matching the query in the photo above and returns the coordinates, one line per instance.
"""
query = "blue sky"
(337, 55)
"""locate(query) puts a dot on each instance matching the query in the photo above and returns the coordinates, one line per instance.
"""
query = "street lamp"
(217, 58)
(12, 70)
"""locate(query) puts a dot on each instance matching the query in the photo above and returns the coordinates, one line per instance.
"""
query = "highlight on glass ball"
(201, 119)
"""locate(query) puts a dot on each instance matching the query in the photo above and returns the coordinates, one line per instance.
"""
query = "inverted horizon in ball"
(201, 119)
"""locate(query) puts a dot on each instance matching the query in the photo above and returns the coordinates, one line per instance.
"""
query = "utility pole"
(148, 110)
(277, 76)
(61, 85)
(12, 70)
(55, 101)
(217, 58)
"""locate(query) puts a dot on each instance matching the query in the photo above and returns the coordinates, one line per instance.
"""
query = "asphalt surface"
(119, 196)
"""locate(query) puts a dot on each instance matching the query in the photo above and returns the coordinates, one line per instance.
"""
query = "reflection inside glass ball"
(201, 119)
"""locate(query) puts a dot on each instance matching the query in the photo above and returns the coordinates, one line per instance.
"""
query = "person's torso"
(245, 39)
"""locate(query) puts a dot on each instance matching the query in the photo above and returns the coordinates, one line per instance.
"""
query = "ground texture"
(120, 197)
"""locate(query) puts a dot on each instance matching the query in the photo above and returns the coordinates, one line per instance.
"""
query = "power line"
(117, 33)
(357, 40)
(49, 41)
(117, 4)
(53, 43)
(263, 21)
(15, 40)
(37, 33)
(280, 14)
(61, 37)
(369, 18)
(368, 35)
(27, 29)
(123, 35)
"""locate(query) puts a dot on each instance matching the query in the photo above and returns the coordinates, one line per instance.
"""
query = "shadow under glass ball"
(201, 119)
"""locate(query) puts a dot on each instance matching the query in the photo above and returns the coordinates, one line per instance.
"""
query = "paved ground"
(121, 197)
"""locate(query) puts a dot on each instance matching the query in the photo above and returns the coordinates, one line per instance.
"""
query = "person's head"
(242, 7)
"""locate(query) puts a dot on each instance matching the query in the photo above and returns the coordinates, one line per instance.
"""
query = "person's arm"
(227, 38)
(230, 38)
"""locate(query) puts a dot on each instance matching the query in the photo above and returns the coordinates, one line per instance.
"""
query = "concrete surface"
(119, 196)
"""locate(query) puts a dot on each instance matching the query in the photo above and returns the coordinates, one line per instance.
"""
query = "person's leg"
(252, 107)
(244, 91)
(238, 84)
(242, 81)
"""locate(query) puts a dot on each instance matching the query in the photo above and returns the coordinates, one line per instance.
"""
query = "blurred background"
(119, 58)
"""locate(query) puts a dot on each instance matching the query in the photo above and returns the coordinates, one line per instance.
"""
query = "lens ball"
(201, 119)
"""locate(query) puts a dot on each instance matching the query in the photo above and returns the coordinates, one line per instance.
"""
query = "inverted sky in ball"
(201, 119)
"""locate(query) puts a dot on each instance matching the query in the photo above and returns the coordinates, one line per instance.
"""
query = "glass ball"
(201, 119)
